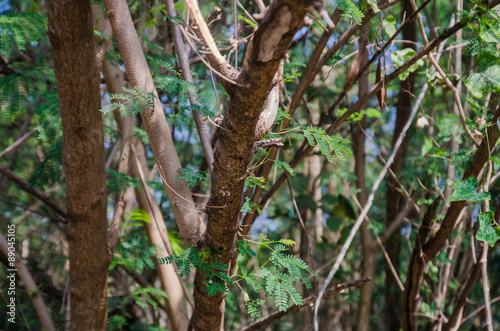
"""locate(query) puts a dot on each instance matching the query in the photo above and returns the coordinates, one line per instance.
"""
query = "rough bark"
(234, 151)
(71, 37)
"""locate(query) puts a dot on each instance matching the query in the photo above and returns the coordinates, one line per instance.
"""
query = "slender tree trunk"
(72, 40)
(393, 297)
(177, 309)
(358, 143)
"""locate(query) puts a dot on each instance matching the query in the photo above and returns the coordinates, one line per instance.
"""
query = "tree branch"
(29, 284)
(23, 184)
(188, 219)
(265, 321)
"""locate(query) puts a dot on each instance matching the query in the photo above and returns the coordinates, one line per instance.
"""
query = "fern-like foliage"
(136, 101)
(20, 90)
(249, 205)
(134, 253)
(18, 30)
(327, 144)
(278, 281)
(117, 182)
(50, 170)
(350, 10)
(144, 296)
(206, 261)
(191, 176)
(48, 118)
(251, 182)
(286, 166)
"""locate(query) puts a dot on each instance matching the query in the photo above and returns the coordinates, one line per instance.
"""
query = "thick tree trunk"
(234, 151)
(393, 297)
(72, 40)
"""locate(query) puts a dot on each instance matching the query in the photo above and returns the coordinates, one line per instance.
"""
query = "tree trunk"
(358, 145)
(72, 40)
(393, 297)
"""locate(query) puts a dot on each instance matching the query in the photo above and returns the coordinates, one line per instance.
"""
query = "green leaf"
(484, 82)
(247, 21)
(373, 4)
(402, 56)
(389, 25)
(466, 191)
(487, 231)
(286, 166)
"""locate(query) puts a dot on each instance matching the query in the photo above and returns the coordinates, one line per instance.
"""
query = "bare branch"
(23, 184)
(265, 321)
(29, 284)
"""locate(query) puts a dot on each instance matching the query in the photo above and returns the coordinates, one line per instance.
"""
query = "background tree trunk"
(394, 203)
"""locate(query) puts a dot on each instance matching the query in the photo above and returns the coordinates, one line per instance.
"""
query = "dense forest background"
(242, 165)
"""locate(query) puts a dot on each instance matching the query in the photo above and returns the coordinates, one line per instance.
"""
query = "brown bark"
(423, 253)
(358, 147)
(177, 309)
(393, 295)
(187, 217)
(71, 37)
(234, 151)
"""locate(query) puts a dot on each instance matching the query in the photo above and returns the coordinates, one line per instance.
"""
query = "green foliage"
(389, 26)
(350, 10)
(281, 114)
(206, 261)
(22, 89)
(136, 101)
(50, 170)
(249, 205)
(488, 231)
(133, 252)
(278, 281)
(48, 118)
(142, 135)
(358, 116)
(192, 176)
(284, 165)
(484, 82)
(136, 216)
(247, 21)
(401, 56)
(251, 182)
(466, 191)
(117, 182)
(145, 296)
(18, 30)
(327, 144)
(253, 306)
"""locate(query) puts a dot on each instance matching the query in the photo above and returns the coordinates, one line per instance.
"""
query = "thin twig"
(453, 89)
(17, 143)
(303, 228)
(363, 214)
(186, 73)
(260, 323)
